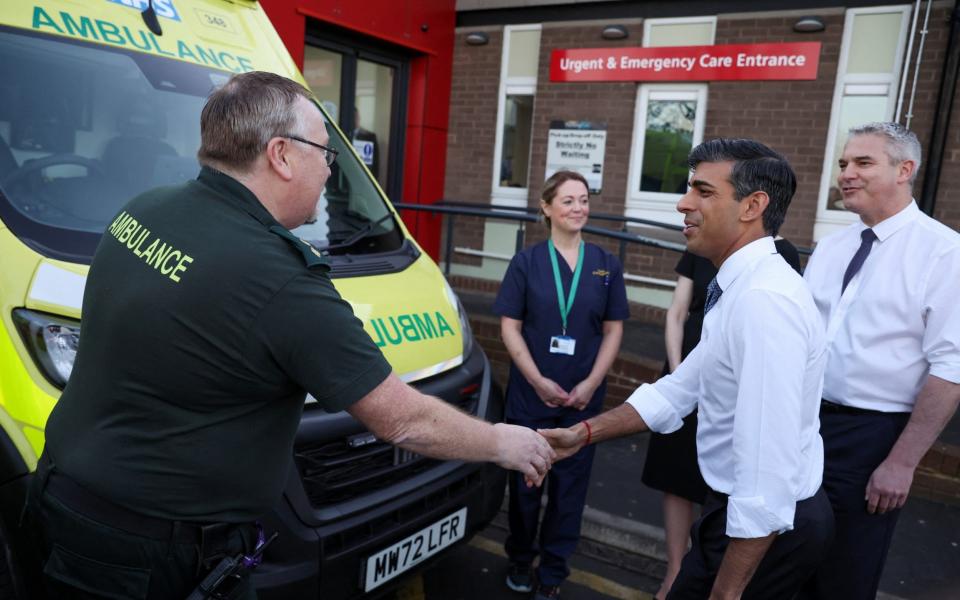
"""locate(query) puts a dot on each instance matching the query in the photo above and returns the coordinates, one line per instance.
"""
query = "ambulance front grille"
(334, 472)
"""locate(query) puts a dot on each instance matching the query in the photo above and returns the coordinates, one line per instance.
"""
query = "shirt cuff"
(946, 371)
(750, 517)
(654, 409)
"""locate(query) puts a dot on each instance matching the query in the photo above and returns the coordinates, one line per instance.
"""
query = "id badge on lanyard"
(564, 344)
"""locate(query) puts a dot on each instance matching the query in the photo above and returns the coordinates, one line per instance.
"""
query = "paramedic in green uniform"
(205, 323)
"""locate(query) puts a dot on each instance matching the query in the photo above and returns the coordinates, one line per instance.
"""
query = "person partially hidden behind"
(175, 432)
(755, 378)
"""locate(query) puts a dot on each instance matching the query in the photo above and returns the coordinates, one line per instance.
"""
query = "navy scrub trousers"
(529, 294)
(567, 485)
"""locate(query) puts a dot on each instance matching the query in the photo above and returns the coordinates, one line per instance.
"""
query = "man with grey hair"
(886, 287)
(205, 323)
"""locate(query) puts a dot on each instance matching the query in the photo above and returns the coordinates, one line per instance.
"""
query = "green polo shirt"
(205, 323)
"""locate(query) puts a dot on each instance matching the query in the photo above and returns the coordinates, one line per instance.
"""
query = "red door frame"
(426, 27)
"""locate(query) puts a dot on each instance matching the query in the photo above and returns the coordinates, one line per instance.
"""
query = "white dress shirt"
(756, 378)
(897, 320)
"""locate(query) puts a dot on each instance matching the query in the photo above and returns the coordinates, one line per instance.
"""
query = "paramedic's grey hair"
(902, 144)
(240, 117)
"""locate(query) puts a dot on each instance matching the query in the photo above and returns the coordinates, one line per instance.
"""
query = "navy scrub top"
(529, 294)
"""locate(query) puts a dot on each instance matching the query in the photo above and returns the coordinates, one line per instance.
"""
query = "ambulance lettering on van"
(100, 30)
(163, 8)
(409, 328)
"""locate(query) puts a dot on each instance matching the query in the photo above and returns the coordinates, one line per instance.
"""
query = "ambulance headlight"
(52, 342)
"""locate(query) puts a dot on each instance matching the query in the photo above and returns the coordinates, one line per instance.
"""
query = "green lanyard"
(565, 306)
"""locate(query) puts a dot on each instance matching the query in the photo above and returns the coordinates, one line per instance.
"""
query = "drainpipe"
(916, 67)
(906, 62)
(941, 118)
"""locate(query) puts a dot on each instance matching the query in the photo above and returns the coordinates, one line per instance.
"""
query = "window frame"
(511, 86)
(659, 206)
(856, 84)
(648, 24)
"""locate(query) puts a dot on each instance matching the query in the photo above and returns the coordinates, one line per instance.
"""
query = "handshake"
(534, 452)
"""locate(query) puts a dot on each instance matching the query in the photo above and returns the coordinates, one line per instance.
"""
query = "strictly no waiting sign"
(736, 62)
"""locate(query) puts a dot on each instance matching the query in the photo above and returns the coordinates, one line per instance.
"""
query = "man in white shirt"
(755, 378)
(887, 289)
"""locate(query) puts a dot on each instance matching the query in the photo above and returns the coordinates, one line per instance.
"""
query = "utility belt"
(218, 554)
(210, 537)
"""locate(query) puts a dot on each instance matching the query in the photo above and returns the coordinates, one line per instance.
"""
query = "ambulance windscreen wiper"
(357, 235)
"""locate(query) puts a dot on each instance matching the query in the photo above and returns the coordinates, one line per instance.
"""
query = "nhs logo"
(163, 8)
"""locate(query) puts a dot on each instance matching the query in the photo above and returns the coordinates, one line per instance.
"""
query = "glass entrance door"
(364, 90)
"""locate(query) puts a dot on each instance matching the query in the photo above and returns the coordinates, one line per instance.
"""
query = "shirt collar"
(237, 194)
(891, 225)
(738, 262)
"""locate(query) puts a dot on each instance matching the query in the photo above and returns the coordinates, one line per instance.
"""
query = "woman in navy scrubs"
(561, 304)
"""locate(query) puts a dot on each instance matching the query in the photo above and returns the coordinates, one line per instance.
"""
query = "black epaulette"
(311, 255)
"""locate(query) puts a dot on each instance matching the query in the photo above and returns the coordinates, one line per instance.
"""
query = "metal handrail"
(593, 216)
(522, 218)
(526, 214)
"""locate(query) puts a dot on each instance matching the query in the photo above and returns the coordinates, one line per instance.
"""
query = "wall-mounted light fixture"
(477, 38)
(809, 24)
(614, 32)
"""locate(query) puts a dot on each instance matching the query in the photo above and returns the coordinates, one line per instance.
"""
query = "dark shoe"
(547, 592)
(520, 578)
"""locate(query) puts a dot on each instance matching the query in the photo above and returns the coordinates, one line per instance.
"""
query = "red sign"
(740, 62)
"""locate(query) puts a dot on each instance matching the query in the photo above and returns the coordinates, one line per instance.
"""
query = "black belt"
(209, 536)
(842, 409)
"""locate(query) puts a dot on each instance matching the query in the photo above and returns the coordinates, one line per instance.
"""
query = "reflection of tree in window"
(667, 142)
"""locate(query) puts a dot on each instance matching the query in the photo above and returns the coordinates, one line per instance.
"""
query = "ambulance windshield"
(86, 127)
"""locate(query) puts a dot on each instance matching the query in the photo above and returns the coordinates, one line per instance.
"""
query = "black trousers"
(854, 446)
(79, 558)
(788, 563)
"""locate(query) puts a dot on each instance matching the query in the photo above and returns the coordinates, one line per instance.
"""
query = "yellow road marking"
(412, 590)
(589, 580)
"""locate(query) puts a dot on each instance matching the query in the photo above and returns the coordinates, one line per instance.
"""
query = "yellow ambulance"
(99, 101)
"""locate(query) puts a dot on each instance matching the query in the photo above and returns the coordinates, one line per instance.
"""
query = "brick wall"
(928, 87)
(791, 116)
(471, 136)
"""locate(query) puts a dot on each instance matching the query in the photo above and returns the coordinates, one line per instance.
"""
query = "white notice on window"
(579, 150)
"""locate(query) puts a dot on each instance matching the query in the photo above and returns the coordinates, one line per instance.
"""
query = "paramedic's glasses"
(329, 154)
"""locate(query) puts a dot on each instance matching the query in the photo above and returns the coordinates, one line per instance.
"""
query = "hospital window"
(518, 84)
(668, 123)
(868, 78)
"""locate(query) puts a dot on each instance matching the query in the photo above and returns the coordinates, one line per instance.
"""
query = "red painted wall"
(427, 28)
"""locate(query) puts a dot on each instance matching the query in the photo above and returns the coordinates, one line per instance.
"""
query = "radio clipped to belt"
(223, 581)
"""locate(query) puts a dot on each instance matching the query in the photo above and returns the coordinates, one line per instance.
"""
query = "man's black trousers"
(854, 445)
(788, 563)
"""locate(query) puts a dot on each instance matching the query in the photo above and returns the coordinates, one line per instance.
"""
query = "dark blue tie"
(713, 294)
(866, 236)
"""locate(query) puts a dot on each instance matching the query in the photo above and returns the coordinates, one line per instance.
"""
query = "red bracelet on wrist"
(589, 432)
